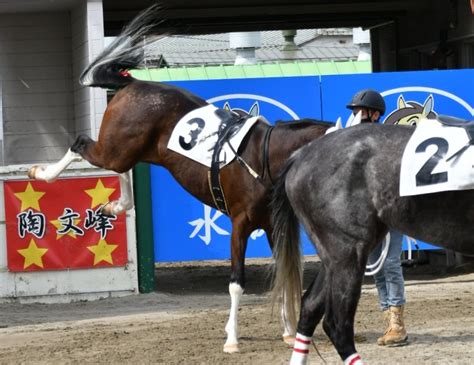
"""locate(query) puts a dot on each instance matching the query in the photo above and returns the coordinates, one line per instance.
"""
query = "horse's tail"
(127, 51)
(288, 271)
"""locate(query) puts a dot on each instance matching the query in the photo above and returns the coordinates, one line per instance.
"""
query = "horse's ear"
(337, 126)
(357, 119)
(254, 110)
(401, 102)
(227, 106)
(427, 106)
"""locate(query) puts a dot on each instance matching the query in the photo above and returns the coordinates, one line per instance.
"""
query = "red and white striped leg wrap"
(354, 359)
(300, 350)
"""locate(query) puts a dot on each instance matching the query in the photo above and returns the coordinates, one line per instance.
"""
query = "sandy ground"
(183, 322)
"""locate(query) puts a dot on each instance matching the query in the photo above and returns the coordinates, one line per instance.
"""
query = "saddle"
(450, 121)
(230, 125)
(467, 125)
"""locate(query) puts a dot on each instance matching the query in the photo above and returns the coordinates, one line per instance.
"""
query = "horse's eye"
(413, 122)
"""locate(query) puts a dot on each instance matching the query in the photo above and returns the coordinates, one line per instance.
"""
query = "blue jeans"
(389, 280)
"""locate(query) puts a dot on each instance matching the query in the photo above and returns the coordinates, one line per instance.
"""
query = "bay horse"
(137, 126)
(344, 189)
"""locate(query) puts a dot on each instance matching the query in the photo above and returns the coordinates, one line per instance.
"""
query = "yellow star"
(30, 198)
(33, 255)
(102, 252)
(58, 225)
(100, 194)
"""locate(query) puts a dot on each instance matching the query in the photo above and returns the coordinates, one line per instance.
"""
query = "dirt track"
(183, 322)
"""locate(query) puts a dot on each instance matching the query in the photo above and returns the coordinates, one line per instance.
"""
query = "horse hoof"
(38, 173)
(231, 349)
(289, 340)
(32, 172)
(108, 209)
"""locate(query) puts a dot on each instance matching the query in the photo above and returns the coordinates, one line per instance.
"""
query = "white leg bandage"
(300, 350)
(354, 359)
(126, 197)
(49, 173)
(232, 344)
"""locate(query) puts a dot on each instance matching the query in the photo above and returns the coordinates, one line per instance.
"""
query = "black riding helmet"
(368, 98)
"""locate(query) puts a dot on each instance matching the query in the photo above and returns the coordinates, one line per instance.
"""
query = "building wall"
(41, 58)
(44, 108)
(384, 48)
(36, 82)
(424, 49)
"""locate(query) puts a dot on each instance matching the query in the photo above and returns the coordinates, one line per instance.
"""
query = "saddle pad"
(427, 166)
(195, 136)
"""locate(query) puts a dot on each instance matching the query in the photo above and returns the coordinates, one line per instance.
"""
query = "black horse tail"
(127, 51)
(288, 270)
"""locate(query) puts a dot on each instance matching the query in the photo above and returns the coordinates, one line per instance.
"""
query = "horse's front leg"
(125, 202)
(50, 172)
(237, 279)
(97, 155)
(80, 149)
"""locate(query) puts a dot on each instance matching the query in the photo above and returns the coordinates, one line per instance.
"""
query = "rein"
(266, 148)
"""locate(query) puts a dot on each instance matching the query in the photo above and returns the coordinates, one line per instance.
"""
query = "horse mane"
(303, 123)
(127, 51)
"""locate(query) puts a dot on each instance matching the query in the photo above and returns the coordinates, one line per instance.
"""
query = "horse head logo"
(253, 112)
(411, 112)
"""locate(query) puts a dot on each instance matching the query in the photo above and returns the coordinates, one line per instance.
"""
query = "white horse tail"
(288, 271)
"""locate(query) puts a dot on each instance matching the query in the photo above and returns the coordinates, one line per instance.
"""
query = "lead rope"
(375, 267)
(317, 351)
(245, 164)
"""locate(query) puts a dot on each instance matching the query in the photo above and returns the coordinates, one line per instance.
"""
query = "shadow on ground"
(213, 277)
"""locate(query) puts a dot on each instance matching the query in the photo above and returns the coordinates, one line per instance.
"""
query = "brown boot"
(386, 320)
(396, 335)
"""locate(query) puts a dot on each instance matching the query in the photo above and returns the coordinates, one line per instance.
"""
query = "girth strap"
(215, 187)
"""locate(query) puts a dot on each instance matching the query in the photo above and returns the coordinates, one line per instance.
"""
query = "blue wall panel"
(184, 229)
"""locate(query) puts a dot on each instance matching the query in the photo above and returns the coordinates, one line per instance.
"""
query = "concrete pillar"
(87, 42)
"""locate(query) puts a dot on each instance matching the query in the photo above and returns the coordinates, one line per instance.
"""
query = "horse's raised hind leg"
(240, 233)
(312, 310)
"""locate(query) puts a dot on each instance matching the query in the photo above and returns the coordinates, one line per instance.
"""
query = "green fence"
(310, 68)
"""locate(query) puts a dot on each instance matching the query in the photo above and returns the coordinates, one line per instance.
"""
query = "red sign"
(60, 226)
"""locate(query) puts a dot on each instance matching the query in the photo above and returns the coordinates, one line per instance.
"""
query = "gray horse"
(344, 189)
